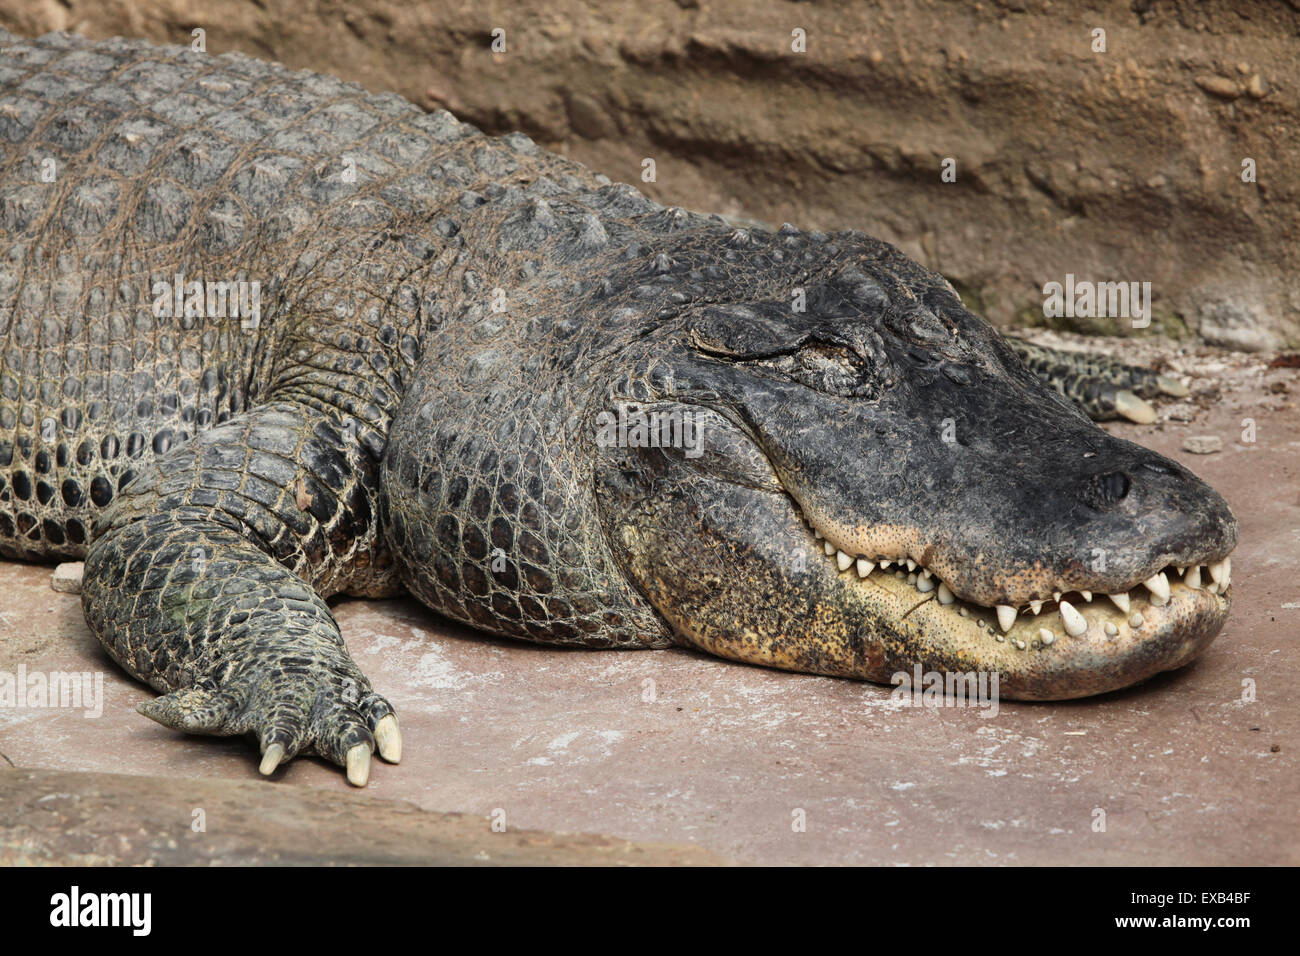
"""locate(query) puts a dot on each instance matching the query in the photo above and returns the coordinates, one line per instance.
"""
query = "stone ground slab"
(673, 747)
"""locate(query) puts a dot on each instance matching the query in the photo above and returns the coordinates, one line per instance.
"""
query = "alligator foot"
(1103, 387)
(291, 709)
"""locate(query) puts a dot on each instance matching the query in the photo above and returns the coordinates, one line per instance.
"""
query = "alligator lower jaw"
(1043, 622)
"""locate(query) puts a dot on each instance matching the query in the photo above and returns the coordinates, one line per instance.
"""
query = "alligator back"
(130, 172)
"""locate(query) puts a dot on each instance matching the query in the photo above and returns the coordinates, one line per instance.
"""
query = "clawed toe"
(388, 738)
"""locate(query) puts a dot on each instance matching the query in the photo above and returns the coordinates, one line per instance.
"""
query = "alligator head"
(843, 471)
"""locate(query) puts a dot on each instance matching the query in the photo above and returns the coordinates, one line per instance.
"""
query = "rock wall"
(1122, 165)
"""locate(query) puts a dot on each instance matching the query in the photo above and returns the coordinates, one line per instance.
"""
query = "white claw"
(1006, 617)
(1036, 607)
(1193, 578)
(945, 595)
(865, 567)
(1075, 623)
(924, 585)
(358, 765)
(1134, 408)
(1121, 601)
(1158, 585)
(1172, 386)
(828, 548)
(271, 759)
(388, 738)
(842, 560)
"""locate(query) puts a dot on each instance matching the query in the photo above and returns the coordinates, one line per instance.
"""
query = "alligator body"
(544, 405)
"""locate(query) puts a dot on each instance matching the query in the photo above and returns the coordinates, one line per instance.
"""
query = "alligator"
(269, 339)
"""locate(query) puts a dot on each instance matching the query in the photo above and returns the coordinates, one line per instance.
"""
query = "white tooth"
(1121, 601)
(1006, 617)
(1046, 636)
(1087, 596)
(865, 567)
(911, 565)
(1075, 624)
(1193, 578)
(945, 595)
(1182, 569)
(1036, 606)
(1158, 585)
(925, 585)
(925, 572)
(1136, 621)
(911, 579)
(829, 548)
(1110, 629)
(817, 534)
(842, 560)
(1213, 587)
(884, 563)
(1221, 572)
(1056, 595)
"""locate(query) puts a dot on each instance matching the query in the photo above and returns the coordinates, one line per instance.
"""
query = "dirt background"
(1117, 166)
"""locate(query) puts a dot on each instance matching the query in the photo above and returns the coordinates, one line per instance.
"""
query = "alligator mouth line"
(1041, 621)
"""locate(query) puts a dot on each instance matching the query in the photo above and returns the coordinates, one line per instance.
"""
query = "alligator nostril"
(1103, 492)
(1113, 485)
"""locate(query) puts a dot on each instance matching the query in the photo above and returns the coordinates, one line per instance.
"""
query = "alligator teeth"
(817, 534)
(1036, 606)
(842, 560)
(1056, 596)
(945, 596)
(1046, 636)
(1075, 623)
(829, 548)
(925, 585)
(1182, 569)
(1121, 601)
(1110, 629)
(865, 567)
(1006, 617)
(1136, 620)
(1087, 596)
(911, 565)
(1221, 573)
(1158, 585)
(885, 563)
(1193, 579)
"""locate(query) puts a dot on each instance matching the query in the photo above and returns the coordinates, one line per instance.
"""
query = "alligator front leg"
(207, 576)
(1103, 387)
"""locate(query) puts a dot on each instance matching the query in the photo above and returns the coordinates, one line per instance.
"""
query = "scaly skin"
(444, 318)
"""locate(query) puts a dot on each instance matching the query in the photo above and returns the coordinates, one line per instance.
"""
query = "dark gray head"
(882, 482)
